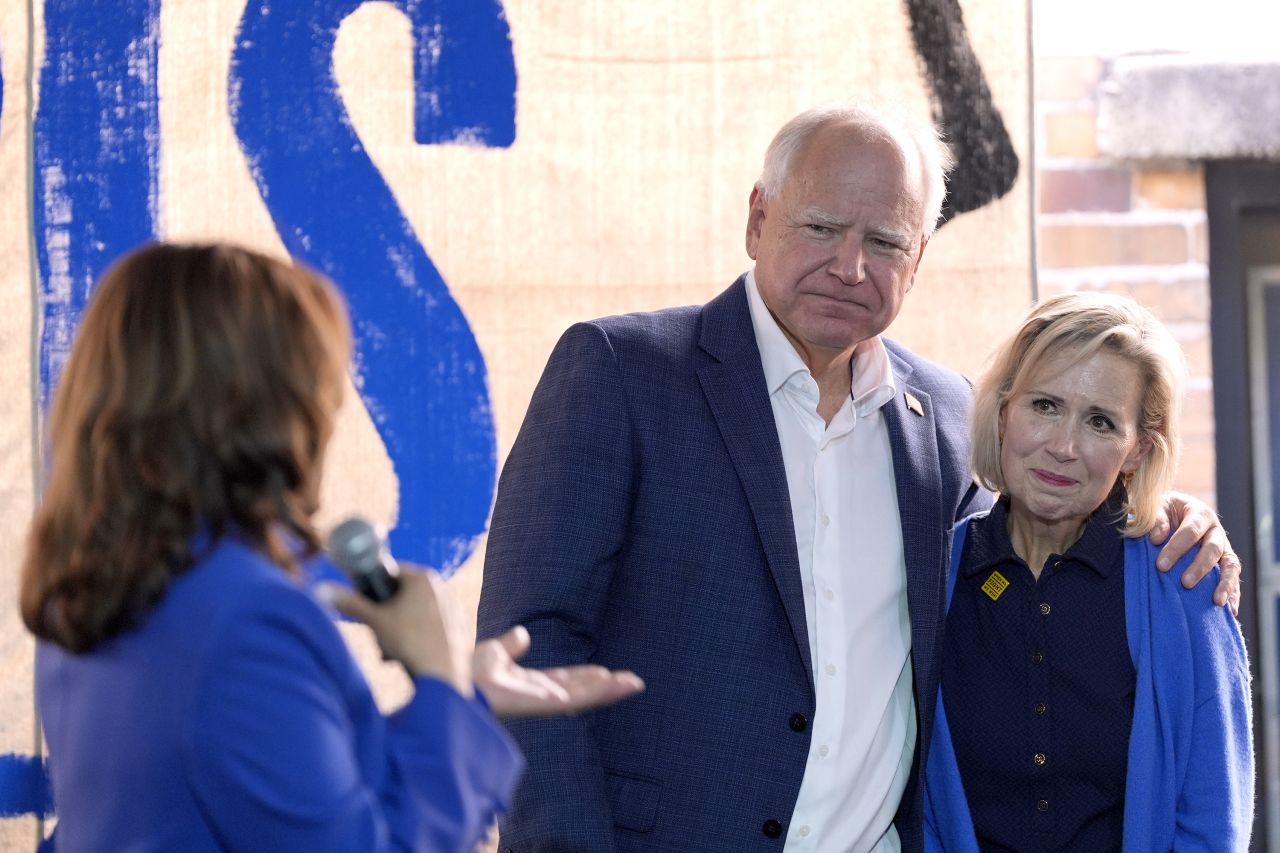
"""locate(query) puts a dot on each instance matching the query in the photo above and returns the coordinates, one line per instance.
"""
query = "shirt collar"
(871, 384)
(1100, 547)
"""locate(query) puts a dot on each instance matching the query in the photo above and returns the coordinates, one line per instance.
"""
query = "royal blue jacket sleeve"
(287, 751)
(1215, 808)
(1190, 785)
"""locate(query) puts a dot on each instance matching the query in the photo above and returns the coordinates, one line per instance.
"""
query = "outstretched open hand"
(515, 691)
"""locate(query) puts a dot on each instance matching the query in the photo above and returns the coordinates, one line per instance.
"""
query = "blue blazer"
(643, 521)
(234, 718)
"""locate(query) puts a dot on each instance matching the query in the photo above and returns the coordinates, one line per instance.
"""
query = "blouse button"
(1039, 758)
(1040, 709)
(1044, 609)
(1042, 805)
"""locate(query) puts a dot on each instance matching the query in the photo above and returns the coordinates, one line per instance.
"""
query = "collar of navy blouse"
(1100, 547)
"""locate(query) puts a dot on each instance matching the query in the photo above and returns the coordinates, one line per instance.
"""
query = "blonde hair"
(1078, 325)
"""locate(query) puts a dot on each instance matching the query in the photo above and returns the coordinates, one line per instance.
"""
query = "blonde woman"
(1088, 702)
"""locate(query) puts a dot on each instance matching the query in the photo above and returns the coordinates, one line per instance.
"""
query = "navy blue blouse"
(1038, 687)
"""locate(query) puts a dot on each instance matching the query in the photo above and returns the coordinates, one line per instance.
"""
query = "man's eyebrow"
(818, 216)
(893, 235)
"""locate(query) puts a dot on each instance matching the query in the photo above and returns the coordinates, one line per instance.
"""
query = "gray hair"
(874, 123)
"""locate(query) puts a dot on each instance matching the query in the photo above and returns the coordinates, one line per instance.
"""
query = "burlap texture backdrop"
(636, 130)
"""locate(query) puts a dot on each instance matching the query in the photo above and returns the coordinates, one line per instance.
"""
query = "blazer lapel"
(733, 382)
(913, 436)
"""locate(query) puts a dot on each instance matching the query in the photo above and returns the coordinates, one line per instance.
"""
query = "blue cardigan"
(234, 717)
(1190, 777)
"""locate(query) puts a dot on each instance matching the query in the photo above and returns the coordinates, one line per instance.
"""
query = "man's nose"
(850, 261)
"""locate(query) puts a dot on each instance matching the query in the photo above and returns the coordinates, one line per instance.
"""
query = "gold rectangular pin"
(995, 585)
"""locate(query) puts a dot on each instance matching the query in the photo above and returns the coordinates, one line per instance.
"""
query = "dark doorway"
(1243, 198)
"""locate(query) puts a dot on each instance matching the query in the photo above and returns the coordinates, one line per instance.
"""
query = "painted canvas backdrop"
(476, 176)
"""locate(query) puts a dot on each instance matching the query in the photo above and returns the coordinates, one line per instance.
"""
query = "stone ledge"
(1180, 107)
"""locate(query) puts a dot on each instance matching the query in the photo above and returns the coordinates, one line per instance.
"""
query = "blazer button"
(772, 829)
(798, 722)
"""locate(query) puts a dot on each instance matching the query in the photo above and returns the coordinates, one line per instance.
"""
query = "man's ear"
(755, 220)
(924, 241)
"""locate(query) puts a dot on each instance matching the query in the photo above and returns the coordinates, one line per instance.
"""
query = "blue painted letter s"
(417, 365)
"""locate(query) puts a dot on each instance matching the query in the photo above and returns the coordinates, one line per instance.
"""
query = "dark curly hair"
(198, 399)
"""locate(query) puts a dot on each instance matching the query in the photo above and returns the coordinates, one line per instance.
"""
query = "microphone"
(360, 552)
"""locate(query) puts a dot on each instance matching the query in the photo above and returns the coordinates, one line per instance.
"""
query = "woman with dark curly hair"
(194, 693)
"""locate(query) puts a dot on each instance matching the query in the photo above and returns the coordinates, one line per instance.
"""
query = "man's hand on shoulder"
(1193, 523)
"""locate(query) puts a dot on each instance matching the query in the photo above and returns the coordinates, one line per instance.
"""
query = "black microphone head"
(360, 551)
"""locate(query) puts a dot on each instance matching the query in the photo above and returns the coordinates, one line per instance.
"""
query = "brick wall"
(1137, 228)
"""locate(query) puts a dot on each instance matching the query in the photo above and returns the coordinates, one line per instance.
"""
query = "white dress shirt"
(844, 506)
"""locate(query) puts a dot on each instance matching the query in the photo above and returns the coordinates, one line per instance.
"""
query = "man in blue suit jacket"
(646, 518)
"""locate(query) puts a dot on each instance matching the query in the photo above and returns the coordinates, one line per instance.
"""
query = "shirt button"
(831, 669)
(1040, 709)
(826, 520)
(798, 722)
(828, 595)
(804, 832)
(1044, 609)
(772, 829)
(1039, 758)
(1038, 657)
(824, 750)
(1042, 805)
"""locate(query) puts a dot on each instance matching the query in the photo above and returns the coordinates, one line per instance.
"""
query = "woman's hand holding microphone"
(418, 624)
